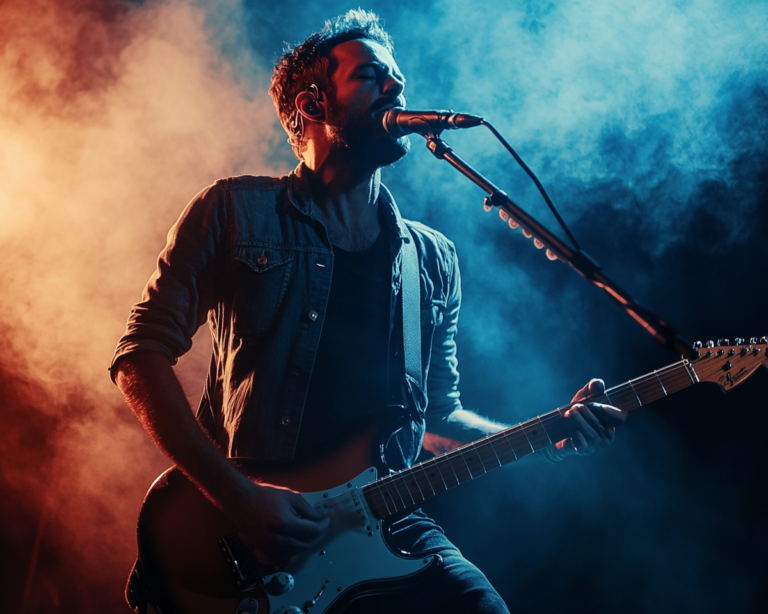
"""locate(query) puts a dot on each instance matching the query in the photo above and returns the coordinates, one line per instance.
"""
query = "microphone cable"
(536, 181)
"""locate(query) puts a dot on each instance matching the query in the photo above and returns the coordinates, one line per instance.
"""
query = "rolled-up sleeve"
(443, 377)
(183, 288)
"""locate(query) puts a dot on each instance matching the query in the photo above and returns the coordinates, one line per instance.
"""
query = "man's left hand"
(594, 424)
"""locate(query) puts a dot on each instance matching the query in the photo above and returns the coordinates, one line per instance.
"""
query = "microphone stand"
(579, 260)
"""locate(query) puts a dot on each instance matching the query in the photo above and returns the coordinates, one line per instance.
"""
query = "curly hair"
(309, 63)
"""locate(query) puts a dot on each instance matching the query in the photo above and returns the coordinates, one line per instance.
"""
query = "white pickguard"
(354, 552)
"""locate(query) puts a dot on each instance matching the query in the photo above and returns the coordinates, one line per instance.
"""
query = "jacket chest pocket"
(261, 277)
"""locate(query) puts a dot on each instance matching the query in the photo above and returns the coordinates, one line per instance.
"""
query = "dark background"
(648, 126)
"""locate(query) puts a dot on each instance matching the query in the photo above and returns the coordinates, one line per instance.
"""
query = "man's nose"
(393, 86)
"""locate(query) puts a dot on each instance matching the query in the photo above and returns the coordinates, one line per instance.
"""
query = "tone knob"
(278, 584)
(248, 606)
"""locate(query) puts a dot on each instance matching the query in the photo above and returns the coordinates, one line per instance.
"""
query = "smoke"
(113, 116)
(646, 123)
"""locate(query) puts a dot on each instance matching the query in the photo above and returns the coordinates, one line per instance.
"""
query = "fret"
(605, 394)
(648, 388)
(624, 398)
(491, 441)
(639, 402)
(401, 486)
(522, 428)
(422, 473)
(406, 489)
(386, 497)
(436, 465)
(471, 460)
(372, 501)
(505, 436)
(674, 378)
(544, 429)
(448, 460)
(412, 481)
(487, 454)
(392, 490)
(536, 436)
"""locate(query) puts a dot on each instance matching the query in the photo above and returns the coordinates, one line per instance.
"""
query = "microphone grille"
(390, 122)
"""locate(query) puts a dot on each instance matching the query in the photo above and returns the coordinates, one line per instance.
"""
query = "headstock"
(729, 365)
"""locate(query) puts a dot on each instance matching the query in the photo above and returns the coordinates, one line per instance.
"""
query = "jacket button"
(262, 260)
(312, 315)
(285, 420)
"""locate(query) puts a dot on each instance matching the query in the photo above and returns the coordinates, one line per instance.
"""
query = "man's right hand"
(279, 522)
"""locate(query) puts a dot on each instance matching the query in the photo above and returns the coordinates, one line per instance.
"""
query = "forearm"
(154, 394)
(458, 427)
(464, 426)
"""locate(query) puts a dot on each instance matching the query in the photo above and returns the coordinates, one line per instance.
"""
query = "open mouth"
(378, 109)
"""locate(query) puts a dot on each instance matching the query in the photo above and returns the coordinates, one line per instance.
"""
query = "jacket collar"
(300, 196)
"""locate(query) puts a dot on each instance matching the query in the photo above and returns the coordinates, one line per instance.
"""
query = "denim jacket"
(250, 255)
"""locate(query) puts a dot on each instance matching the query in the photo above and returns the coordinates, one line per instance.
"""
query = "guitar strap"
(411, 312)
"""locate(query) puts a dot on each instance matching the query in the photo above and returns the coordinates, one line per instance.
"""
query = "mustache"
(393, 101)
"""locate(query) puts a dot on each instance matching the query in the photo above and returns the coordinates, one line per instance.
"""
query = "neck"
(345, 197)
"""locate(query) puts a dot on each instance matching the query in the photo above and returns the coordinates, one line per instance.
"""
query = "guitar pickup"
(241, 561)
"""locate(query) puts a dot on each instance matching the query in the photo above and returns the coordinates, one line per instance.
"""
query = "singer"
(301, 280)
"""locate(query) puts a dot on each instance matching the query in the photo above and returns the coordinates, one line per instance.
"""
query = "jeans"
(457, 588)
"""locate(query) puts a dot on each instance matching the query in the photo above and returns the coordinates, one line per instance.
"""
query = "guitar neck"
(410, 487)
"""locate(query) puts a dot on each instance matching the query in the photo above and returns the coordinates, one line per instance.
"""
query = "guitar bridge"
(241, 561)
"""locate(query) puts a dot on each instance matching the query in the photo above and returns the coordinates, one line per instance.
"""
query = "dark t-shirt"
(349, 377)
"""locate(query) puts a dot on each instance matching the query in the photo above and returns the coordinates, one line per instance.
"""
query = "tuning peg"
(739, 341)
(763, 339)
(723, 342)
(697, 345)
(710, 344)
(752, 340)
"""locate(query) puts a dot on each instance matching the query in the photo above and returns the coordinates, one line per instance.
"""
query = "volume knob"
(278, 584)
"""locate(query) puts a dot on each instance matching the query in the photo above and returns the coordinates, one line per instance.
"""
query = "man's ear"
(311, 106)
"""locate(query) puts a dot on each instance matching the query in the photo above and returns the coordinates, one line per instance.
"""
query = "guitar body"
(197, 564)
(180, 532)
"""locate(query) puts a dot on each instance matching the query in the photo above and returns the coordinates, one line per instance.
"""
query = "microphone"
(399, 122)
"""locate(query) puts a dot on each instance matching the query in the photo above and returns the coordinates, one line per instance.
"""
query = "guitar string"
(642, 385)
(514, 435)
(646, 389)
(639, 392)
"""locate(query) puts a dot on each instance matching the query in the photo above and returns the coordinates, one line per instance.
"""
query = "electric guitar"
(198, 564)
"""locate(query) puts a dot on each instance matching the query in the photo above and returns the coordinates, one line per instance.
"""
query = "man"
(300, 280)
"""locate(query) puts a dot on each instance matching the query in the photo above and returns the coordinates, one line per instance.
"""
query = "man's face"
(367, 83)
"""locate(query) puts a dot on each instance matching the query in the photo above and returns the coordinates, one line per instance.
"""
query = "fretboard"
(410, 487)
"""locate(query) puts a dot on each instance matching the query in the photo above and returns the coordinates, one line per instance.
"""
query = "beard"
(364, 137)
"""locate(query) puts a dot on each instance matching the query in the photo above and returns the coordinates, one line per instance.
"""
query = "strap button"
(312, 315)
